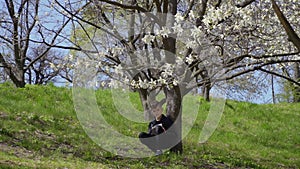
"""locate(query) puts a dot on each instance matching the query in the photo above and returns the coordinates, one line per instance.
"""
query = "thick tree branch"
(124, 6)
(15, 41)
(292, 35)
(245, 3)
(279, 75)
(250, 67)
(30, 28)
(235, 60)
(201, 13)
(8, 69)
(3, 61)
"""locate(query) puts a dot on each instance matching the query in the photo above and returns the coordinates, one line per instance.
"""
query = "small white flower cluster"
(168, 71)
(148, 38)
(67, 62)
(166, 77)
(116, 51)
(164, 32)
(179, 18)
(152, 84)
(296, 57)
(214, 15)
(118, 70)
(143, 84)
(177, 29)
(190, 59)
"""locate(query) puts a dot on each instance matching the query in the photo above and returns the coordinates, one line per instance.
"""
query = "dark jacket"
(158, 127)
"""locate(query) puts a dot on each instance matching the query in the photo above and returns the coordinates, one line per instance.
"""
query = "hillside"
(39, 129)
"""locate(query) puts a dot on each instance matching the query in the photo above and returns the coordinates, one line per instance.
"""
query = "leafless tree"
(49, 67)
(24, 25)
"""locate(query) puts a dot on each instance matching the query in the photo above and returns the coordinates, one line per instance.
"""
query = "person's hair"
(155, 104)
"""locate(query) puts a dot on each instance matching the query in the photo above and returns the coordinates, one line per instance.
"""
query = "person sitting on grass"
(158, 136)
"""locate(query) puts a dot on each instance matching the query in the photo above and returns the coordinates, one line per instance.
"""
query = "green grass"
(39, 129)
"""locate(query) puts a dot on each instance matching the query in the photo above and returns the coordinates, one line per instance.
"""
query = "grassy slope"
(39, 128)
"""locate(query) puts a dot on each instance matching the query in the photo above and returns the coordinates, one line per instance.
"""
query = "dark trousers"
(158, 142)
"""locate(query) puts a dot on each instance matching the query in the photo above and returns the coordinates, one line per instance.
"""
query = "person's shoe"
(158, 152)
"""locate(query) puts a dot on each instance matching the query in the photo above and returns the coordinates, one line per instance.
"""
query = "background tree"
(3, 75)
(223, 40)
(24, 25)
(47, 69)
(289, 92)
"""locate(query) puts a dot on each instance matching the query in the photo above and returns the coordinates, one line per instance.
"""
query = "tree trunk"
(174, 103)
(20, 83)
(29, 77)
(273, 89)
(173, 109)
(297, 78)
(18, 77)
(173, 95)
(16, 74)
(206, 91)
(144, 99)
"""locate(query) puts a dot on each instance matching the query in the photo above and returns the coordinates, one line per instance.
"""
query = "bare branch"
(279, 75)
(123, 41)
(30, 28)
(235, 60)
(6, 39)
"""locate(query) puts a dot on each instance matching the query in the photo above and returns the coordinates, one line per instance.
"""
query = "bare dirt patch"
(16, 150)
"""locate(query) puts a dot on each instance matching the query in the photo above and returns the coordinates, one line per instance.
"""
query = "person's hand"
(155, 129)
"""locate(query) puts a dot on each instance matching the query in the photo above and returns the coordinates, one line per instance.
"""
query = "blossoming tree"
(175, 46)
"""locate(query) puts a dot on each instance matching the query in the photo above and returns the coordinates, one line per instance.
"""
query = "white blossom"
(297, 57)
(206, 21)
(148, 39)
(175, 82)
(118, 69)
(152, 83)
(116, 51)
(134, 84)
(189, 59)
(103, 84)
(164, 32)
(254, 29)
(179, 61)
(192, 15)
(197, 32)
(162, 81)
(179, 17)
(168, 70)
(191, 44)
(143, 84)
(177, 28)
